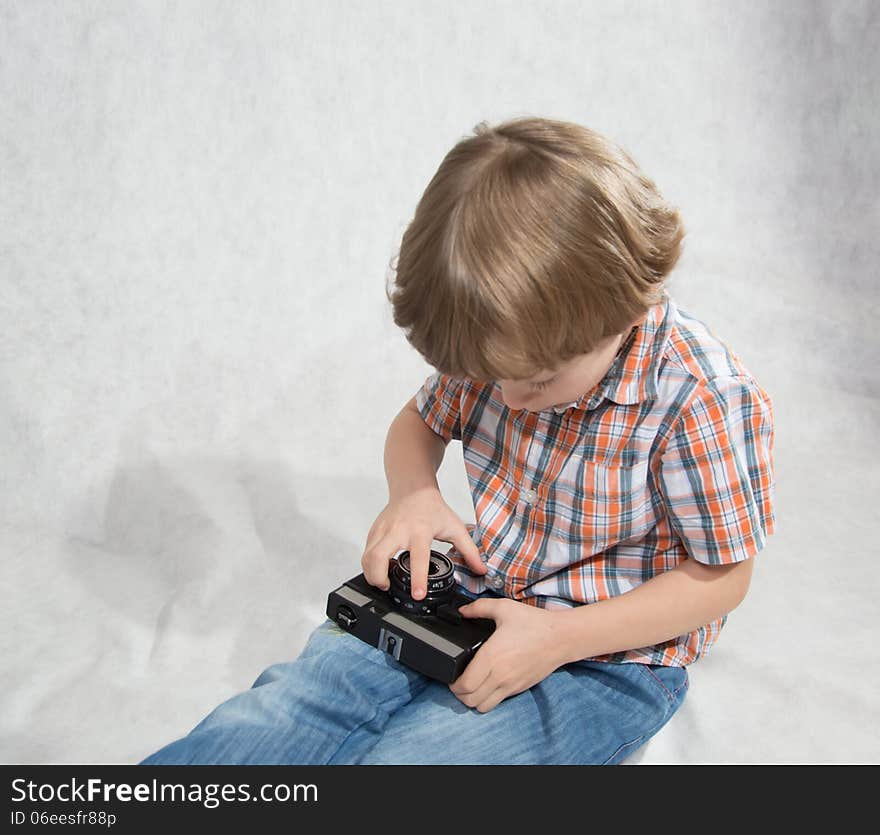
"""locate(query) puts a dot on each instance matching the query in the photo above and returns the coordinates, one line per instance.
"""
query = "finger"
(419, 560)
(498, 696)
(475, 674)
(466, 547)
(489, 693)
(481, 693)
(375, 563)
(373, 538)
(483, 607)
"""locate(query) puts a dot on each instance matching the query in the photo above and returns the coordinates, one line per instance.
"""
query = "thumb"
(482, 607)
(466, 547)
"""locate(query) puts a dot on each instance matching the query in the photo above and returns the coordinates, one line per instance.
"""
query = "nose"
(516, 401)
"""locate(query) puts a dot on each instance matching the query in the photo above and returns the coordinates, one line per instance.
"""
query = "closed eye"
(542, 385)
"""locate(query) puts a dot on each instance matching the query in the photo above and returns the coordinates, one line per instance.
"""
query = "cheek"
(512, 395)
(517, 397)
(562, 392)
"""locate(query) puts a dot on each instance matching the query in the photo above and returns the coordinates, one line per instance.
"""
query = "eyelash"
(542, 386)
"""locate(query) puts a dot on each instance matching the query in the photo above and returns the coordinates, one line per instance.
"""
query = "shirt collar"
(632, 377)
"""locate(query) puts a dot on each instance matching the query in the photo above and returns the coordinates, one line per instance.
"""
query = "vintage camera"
(428, 635)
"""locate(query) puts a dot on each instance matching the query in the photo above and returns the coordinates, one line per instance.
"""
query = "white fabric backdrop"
(198, 367)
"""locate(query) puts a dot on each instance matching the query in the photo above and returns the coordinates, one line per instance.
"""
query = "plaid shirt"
(669, 456)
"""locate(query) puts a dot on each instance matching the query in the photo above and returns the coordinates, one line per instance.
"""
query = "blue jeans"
(344, 702)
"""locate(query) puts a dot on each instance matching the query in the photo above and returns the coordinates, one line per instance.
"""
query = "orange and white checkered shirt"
(669, 456)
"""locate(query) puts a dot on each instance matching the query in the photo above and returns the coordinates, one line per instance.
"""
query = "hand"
(410, 524)
(524, 649)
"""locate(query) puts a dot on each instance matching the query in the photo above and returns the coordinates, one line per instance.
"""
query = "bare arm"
(413, 453)
(668, 605)
(416, 512)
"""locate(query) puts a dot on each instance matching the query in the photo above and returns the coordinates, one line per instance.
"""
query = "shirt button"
(498, 582)
(529, 496)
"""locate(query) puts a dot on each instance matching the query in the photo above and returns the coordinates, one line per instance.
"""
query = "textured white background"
(199, 202)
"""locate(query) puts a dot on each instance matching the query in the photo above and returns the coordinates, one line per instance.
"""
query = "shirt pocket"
(613, 503)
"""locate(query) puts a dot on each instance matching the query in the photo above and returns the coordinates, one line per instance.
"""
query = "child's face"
(564, 384)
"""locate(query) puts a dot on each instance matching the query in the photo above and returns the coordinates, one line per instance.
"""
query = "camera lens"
(441, 583)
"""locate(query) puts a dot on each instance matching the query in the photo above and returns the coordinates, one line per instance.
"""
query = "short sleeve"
(439, 404)
(716, 473)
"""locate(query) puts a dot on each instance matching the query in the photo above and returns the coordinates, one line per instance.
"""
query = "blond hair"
(534, 240)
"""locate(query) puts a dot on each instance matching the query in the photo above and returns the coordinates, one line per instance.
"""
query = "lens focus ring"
(441, 582)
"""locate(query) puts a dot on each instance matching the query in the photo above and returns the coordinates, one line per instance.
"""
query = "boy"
(619, 457)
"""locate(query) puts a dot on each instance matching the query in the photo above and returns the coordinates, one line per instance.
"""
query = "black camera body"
(428, 635)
